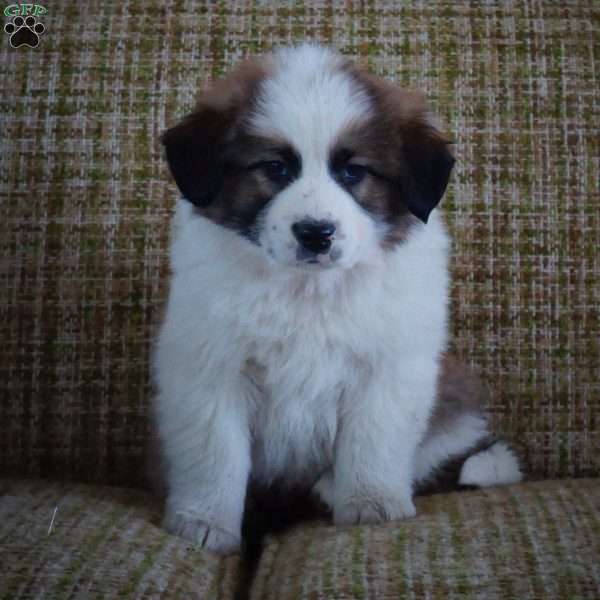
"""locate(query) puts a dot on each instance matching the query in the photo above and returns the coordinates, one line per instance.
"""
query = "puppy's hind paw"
(204, 534)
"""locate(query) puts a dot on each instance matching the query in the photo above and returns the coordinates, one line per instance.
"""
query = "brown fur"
(410, 157)
(211, 155)
(245, 190)
(460, 393)
(196, 147)
(377, 193)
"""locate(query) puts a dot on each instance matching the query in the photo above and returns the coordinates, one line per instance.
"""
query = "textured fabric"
(85, 201)
(100, 543)
(535, 540)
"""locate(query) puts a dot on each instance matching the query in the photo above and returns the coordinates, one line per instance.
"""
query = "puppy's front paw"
(372, 510)
(206, 535)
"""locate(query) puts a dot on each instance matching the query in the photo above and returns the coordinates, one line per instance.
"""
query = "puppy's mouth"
(313, 260)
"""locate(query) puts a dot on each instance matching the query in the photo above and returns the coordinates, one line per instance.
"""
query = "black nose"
(314, 235)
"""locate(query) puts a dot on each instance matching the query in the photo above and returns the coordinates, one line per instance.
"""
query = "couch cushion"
(534, 540)
(104, 543)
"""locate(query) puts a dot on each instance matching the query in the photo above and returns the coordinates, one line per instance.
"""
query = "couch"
(85, 201)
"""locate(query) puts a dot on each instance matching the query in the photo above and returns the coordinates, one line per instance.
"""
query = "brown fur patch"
(408, 158)
(460, 391)
(213, 157)
(196, 146)
(238, 88)
(377, 192)
(246, 190)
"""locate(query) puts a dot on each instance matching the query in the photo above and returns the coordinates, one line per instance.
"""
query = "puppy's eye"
(276, 170)
(351, 174)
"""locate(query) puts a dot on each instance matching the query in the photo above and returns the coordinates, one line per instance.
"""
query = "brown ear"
(422, 161)
(428, 164)
(195, 147)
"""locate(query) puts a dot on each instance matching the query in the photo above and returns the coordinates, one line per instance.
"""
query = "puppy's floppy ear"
(420, 161)
(427, 167)
(195, 147)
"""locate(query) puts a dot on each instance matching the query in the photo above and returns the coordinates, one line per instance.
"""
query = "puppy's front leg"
(380, 427)
(206, 443)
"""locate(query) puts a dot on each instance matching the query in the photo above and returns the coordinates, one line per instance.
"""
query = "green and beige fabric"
(85, 201)
(62, 540)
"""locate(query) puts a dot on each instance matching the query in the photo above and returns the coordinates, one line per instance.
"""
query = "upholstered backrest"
(86, 198)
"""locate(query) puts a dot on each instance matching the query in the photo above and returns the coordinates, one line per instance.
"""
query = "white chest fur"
(293, 346)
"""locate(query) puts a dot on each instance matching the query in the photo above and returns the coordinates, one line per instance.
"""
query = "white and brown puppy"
(307, 318)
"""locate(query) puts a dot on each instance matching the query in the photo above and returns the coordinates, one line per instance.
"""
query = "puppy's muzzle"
(314, 236)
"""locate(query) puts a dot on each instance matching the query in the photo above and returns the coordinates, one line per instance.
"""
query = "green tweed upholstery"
(85, 200)
(76, 541)
(534, 540)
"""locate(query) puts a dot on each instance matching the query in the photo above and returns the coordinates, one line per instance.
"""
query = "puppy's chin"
(295, 259)
(318, 264)
(315, 265)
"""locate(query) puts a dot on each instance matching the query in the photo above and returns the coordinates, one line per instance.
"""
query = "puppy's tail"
(496, 465)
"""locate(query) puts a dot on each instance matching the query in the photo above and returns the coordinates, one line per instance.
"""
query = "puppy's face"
(315, 162)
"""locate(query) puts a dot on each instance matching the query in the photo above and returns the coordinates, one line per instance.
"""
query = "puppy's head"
(318, 163)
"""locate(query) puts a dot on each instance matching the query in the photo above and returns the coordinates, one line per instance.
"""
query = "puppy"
(307, 319)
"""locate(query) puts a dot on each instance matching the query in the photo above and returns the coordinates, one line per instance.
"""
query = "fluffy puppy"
(307, 319)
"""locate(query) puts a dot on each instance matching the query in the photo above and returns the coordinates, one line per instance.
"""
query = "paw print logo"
(24, 32)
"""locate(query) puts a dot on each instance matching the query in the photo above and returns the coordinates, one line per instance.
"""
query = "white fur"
(497, 465)
(310, 100)
(269, 370)
(346, 379)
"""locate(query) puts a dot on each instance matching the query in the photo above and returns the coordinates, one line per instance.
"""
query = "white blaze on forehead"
(309, 99)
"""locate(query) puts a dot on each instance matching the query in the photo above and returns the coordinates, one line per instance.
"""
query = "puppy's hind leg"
(458, 448)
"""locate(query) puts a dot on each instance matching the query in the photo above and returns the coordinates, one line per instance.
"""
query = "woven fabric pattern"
(100, 543)
(534, 540)
(85, 201)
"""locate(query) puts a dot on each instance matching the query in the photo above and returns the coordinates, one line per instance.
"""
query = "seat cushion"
(533, 540)
(103, 543)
